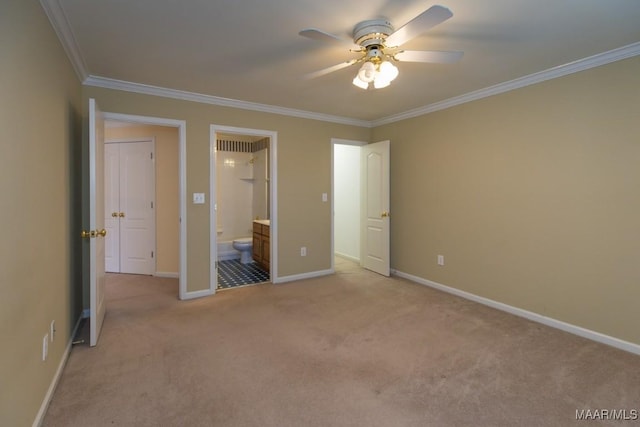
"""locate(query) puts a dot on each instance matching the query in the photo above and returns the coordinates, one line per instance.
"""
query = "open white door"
(96, 231)
(375, 207)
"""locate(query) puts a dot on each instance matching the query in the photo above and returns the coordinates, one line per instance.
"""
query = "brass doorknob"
(121, 215)
(102, 232)
(114, 214)
(87, 234)
(385, 214)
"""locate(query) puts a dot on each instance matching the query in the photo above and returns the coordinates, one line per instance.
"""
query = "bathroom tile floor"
(232, 273)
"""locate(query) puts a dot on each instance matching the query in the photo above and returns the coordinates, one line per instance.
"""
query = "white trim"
(196, 294)
(131, 140)
(273, 191)
(348, 257)
(303, 276)
(169, 275)
(182, 171)
(86, 313)
(61, 26)
(108, 83)
(56, 378)
(551, 73)
(213, 208)
(597, 60)
(535, 317)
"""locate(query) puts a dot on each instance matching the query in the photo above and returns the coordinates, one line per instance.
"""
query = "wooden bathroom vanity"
(261, 239)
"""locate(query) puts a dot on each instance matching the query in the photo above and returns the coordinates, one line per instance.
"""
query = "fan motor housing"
(372, 32)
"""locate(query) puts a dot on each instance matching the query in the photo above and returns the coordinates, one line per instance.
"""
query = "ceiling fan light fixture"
(380, 83)
(387, 71)
(367, 72)
(361, 84)
(379, 47)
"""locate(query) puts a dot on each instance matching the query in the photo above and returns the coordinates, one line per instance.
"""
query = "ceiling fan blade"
(323, 36)
(418, 25)
(331, 69)
(439, 57)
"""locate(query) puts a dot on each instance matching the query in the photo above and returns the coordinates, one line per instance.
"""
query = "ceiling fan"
(379, 47)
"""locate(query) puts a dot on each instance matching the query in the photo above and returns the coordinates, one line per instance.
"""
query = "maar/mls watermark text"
(607, 414)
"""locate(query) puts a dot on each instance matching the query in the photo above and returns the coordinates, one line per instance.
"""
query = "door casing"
(183, 292)
(273, 207)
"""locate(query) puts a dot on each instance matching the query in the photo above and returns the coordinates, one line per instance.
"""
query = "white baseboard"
(56, 378)
(167, 274)
(554, 323)
(303, 276)
(349, 257)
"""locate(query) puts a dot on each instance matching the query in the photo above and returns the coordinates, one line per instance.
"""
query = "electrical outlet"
(52, 330)
(440, 259)
(198, 198)
(303, 251)
(45, 347)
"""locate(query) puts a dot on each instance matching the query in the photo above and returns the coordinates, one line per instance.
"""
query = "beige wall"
(40, 275)
(532, 196)
(167, 189)
(304, 173)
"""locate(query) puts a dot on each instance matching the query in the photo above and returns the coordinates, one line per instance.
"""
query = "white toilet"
(244, 245)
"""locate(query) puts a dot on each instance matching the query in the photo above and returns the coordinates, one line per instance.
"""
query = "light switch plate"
(198, 198)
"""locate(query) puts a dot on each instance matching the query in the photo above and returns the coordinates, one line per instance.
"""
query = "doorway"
(361, 218)
(346, 199)
(169, 201)
(243, 206)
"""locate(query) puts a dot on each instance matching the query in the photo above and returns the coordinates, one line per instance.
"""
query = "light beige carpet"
(351, 349)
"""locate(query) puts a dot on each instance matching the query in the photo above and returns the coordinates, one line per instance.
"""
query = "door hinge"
(151, 205)
(151, 254)
(151, 156)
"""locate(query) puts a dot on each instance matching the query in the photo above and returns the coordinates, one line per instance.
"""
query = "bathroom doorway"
(242, 207)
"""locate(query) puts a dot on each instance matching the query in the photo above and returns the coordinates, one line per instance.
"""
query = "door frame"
(183, 294)
(273, 192)
(152, 140)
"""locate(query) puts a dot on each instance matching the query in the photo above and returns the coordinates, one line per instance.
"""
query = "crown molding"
(216, 100)
(61, 26)
(552, 73)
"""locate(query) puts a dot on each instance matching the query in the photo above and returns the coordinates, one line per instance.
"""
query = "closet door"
(137, 220)
(130, 207)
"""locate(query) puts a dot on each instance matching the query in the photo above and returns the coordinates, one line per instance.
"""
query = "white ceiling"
(250, 50)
